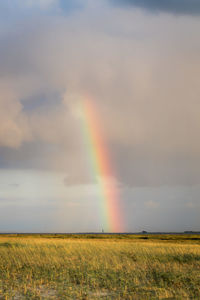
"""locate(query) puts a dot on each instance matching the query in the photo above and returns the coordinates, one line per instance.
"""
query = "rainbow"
(101, 167)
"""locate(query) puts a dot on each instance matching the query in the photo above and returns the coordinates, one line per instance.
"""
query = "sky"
(139, 62)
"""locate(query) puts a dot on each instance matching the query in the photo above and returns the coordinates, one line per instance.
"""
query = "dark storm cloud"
(172, 6)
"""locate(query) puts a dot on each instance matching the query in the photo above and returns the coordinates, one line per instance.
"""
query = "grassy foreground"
(45, 267)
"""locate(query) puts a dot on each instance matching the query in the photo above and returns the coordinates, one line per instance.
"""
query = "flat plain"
(99, 266)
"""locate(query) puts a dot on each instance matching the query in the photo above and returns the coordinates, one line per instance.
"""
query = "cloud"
(18, 10)
(182, 7)
(14, 127)
(162, 208)
(151, 204)
(142, 74)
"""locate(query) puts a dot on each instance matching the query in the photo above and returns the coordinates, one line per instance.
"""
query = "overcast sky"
(139, 60)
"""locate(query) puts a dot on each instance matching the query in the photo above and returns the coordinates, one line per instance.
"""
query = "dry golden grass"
(48, 268)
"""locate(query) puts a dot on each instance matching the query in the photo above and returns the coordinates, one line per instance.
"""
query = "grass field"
(100, 267)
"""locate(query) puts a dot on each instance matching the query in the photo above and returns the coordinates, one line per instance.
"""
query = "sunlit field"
(99, 267)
